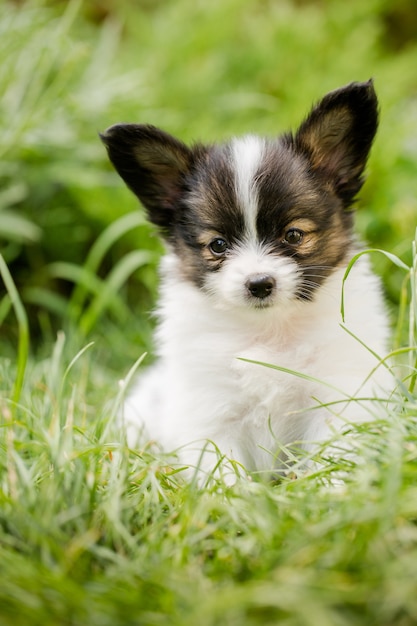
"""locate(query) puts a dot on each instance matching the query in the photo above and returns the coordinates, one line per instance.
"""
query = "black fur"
(313, 175)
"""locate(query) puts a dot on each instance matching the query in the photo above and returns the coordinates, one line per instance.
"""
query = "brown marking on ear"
(337, 137)
(325, 137)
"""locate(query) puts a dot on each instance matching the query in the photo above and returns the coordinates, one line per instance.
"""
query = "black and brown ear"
(338, 134)
(153, 165)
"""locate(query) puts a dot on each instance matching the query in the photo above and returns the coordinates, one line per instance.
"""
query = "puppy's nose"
(260, 285)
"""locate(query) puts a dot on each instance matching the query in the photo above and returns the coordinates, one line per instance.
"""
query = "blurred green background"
(72, 235)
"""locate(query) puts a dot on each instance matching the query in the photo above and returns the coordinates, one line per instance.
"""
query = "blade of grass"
(89, 283)
(18, 228)
(23, 327)
(301, 375)
(412, 276)
(75, 359)
(123, 386)
(116, 278)
(55, 373)
(97, 253)
(46, 299)
(5, 306)
(402, 311)
(392, 257)
(413, 313)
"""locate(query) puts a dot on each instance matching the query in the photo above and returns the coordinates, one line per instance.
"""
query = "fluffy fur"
(259, 233)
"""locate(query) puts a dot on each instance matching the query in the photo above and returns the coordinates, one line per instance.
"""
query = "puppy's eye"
(293, 236)
(218, 246)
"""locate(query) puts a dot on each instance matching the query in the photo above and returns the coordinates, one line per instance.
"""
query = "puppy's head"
(255, 222)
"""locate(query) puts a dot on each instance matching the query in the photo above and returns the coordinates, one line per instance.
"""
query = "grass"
(92, 532)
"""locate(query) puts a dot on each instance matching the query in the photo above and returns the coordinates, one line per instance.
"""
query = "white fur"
(251, 259)
(200, 389)
(247, 153)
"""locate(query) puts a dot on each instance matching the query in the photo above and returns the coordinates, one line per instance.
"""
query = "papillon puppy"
(252, 355)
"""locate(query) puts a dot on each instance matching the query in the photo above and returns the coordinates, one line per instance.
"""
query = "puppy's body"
(201, 390)
(259, 234)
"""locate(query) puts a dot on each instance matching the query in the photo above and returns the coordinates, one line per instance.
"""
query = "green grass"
(92, 532)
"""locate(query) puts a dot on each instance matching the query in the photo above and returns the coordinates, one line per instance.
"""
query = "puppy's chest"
(212, 357)
(241, 368)
(266, 373)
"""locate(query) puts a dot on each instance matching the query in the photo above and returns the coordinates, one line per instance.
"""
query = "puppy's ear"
(337, 136)
(153, 164)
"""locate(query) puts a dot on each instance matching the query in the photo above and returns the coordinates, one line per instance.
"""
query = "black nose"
(260, 286)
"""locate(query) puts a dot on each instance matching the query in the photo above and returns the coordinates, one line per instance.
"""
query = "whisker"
(310, 287)
(318, 267)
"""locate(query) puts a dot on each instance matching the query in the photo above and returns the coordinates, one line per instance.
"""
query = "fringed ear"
(153, 164)
(337, 137)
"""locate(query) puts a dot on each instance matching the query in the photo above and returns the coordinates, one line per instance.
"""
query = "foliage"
(92, 532)
(202, 71)
(55, 200)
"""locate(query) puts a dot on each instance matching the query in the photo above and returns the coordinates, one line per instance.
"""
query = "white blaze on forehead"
(247, 155)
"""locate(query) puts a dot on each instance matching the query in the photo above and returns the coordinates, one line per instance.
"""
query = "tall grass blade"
(123, 387)
(18, 228)
(23, 327)
(97, 253)
(392, 257)
(413, 314)
(403, 311)
(46, 299)
(291, 372)
(55, 373)
(75, 359)
(117, 277)
(5, 306)
(87, 281)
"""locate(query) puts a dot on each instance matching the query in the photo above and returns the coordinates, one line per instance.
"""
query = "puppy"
(259, 233)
